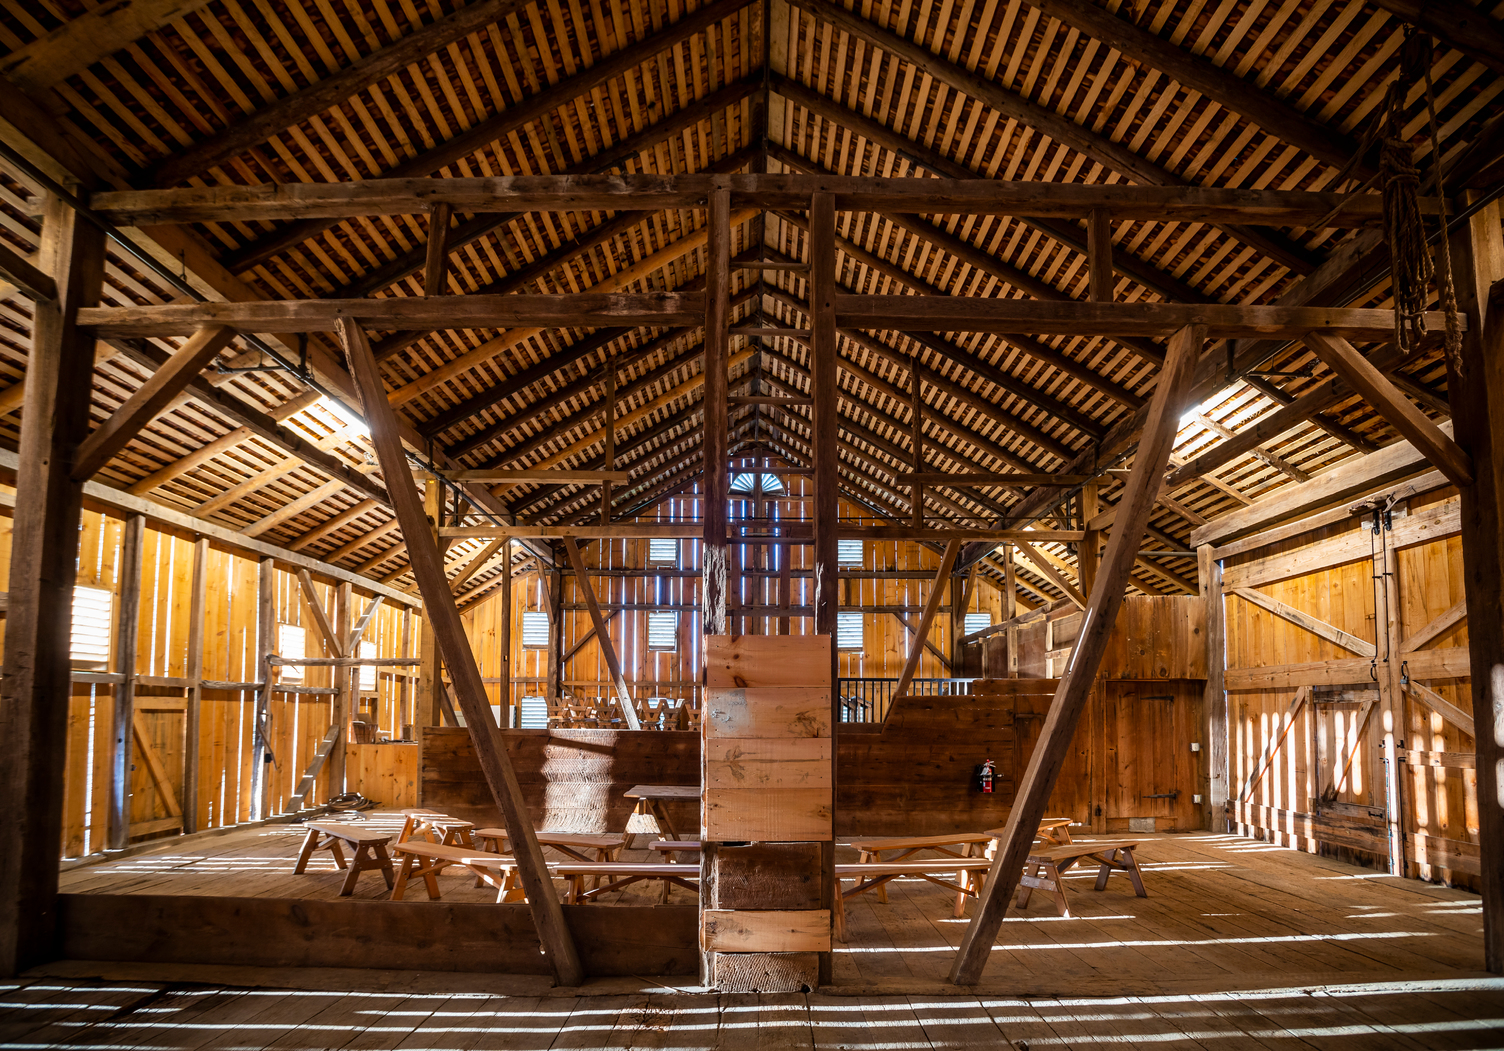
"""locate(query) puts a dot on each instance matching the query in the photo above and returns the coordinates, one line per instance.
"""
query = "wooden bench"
(436, 828)
(618, 874)
(1052, 863)
(606, 847)
(969, 872)
(369, 850)
(420, 857)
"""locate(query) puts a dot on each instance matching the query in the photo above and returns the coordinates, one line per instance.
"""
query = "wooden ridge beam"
(581, 310)
(150, 399)
(1044, 119)
(1200, 74)
(501, 125)
(459, 659)
(1079, 681)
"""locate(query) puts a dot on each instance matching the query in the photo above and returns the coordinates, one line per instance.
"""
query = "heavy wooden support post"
(197, 606)
(553, 596)
(1089, 553)
(610, 452)
(927, 618)
(44, 559)
(122, 723)
(1214, 753)
(449, 633)
(1475, 386)
(430, 671)
(266, 645)
(1392, 721)
(343, 680)
(825, 453)
(602, 637)
(504, 688)
(436, 266)
(1081, 670)
(1099, 252)
(1010, 608)
(717, 552)
(916, 443)
(405, 715)
(152, 398)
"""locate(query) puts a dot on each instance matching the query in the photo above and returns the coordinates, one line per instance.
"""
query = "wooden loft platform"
(928, 412)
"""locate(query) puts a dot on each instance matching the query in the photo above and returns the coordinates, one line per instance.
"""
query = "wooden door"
(1150, 773)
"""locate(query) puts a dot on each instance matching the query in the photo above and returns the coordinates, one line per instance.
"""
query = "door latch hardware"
(1164, 795)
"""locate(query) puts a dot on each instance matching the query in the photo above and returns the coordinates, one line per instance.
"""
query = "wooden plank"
(449, 635)
(766, 930)
(768, 711)
(608, 648)
(582, 309)
(1424, 664)
(151, 398)
(768, 815)
(927, 618)
(292, 509)
(1032, 798)
(183, 465)
(557, 474)
(44, 557)
(1447, 760)
(1050, 573)
(193, 703)
(26, 277)
(266, 645)
(326, 630)
(1215, 694)
(1458, 717)
(1315, 625)
(122, 720)
(158, 770)
(1400, 411)
(1354, 477)
(767, 661)
(800, 762)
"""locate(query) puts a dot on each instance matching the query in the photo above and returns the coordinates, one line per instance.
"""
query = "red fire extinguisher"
(985, 774)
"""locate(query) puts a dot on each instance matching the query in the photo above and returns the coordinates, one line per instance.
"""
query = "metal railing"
(868, 700)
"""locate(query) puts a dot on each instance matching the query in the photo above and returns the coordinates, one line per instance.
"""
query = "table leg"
(431, 880)
(408, 861)
(310, 841)
(384, 863)
(339, 855)
(1131, 865)
(661, 813)
(961, 878)
(358, 861)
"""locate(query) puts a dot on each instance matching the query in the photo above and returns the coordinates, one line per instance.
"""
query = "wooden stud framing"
(449, 634)
(1091, 643)
(123, 720)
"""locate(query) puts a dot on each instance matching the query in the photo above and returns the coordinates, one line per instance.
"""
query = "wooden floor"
(1222, 910)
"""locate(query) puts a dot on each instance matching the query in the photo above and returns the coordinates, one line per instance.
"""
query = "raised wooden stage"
(1222, 913)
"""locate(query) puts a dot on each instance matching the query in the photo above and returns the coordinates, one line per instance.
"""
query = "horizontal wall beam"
(696, 531)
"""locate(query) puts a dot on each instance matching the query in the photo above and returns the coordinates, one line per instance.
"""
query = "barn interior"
(644, 523)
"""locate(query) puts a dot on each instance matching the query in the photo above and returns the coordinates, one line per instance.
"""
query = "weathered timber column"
(1391, 694)
(1088, 554)
(716, 557)
(194, 702)
(44, 558)
(1214, 702)
(449, 633)
(266, 645)
(430, 672)
(825, 455)
(344, 681)
(123, 717)
(504, 688)
(1081, 671)
(1475, 385)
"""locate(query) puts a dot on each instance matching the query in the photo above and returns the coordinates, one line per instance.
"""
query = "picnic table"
(650, 800)
(1050, 864)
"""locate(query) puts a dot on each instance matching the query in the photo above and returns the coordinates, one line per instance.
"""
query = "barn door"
(1152, 775)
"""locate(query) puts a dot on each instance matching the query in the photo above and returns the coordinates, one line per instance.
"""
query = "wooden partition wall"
(1310, 620)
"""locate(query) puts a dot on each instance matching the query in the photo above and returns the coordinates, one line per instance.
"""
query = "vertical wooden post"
(430, 671)
(449, 633)
(916, 442)
(197, 605)
(1081, 670)
(1475, 385)
(1214, 702)
(1088, 554)
(123, 720)
(44, 560)
(610, 439)
(826, 479)
(1010, 607)
(405, 717)
(505, 673)
(344, 680)
(1099, 252)
(266, 645)
(1391, 693)
(553, 594)
(437, 264)
(717, 552)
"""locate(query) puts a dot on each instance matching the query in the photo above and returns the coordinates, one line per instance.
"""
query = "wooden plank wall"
(1328, 573)
(677, 673)
(298, 724)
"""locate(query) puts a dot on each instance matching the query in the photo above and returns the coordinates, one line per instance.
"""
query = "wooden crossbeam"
(265, 202)
(927, 618)
(1384, 396)
(1050, 573)
(352, 642)
(608, 648)
(693, 530)
(1058, 731)
(79, 42)
(1003, 478)
(1302, 695)
(556, 474)
(1315, 625)
(292, 510)
(26, 277)
(1440, 625)
(320, 615)
(150, 399)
